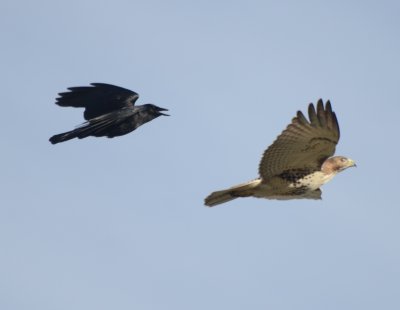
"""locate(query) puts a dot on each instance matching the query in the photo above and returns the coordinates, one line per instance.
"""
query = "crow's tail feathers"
(241, 190)
(94, 127)
(64, 136)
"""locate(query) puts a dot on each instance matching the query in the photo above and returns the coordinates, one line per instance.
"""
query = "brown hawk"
(298, 163)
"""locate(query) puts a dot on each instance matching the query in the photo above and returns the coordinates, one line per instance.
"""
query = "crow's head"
(155, 110)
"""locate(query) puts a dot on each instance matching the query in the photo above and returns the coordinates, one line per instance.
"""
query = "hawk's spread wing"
(303, 144)
(98, 100)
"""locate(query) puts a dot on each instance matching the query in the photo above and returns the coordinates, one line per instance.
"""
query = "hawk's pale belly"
(281, 189)
(313, 181)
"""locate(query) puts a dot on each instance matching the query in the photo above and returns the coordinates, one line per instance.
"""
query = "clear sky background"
(120, 223)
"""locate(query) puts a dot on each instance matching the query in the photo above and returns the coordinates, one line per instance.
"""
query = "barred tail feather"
(241, 190)
(219, 197)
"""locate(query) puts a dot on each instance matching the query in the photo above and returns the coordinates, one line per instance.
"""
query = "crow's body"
(110, 111)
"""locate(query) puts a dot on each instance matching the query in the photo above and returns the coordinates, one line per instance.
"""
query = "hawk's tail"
(241, 190)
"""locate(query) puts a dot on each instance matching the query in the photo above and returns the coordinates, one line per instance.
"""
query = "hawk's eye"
(343, 160)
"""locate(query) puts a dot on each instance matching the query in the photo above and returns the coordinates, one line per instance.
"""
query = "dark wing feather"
(303, 144)
(97, 100)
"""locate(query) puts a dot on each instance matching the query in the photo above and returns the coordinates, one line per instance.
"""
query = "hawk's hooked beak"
(162, 109)
(352, 163)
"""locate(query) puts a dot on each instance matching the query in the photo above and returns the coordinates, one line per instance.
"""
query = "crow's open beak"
(162, 109)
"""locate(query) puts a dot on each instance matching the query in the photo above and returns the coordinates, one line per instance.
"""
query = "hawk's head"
(337, 164)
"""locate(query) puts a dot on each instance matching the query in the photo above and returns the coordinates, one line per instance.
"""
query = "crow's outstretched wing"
(98, 99)
(303, 145)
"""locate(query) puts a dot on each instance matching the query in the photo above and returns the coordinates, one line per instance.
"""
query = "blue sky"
(120, 223)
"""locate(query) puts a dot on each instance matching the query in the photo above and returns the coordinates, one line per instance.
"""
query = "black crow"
(109, 111)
